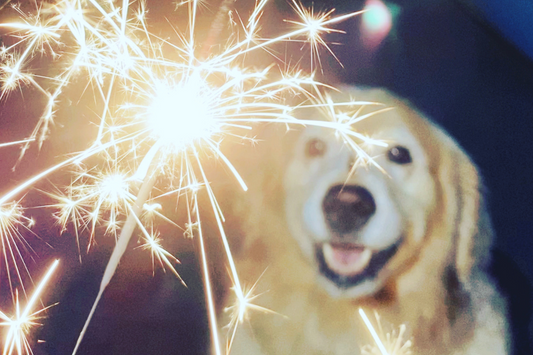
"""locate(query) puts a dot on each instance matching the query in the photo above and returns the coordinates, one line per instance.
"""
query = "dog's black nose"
(348, 207)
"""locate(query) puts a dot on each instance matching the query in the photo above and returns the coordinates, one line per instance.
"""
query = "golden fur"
(434, 283)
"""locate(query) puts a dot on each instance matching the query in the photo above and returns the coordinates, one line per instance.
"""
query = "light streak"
(372, 331)
(16, 142)
(12, 220)
(158, 116)
(394, 344)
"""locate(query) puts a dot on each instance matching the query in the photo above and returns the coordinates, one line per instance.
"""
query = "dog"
(406, 235)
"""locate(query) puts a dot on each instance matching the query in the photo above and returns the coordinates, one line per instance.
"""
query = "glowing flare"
(182, 113)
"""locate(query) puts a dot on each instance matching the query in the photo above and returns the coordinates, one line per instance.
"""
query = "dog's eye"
(315, 148)
(399, 155)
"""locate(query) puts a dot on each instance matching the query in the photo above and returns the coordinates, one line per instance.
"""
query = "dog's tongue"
(346, 259)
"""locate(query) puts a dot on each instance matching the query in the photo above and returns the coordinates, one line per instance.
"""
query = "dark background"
(467, 64)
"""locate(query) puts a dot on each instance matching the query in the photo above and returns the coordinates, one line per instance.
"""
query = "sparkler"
(158, 116)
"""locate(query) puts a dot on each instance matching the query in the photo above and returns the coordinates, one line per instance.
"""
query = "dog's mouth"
(346, 259)
(348, 264)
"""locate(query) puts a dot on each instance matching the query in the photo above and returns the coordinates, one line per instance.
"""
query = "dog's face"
(350, 221)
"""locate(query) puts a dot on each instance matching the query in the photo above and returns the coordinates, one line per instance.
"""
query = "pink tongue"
(346, 260)
(346, 257)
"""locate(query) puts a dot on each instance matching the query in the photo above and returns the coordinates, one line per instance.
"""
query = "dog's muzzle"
(347, 208)
(342, 259)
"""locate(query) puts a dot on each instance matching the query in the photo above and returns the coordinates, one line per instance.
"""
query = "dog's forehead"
(324, 133)
(374, 109)
(389, 126)
(387, 119)
(391, 132)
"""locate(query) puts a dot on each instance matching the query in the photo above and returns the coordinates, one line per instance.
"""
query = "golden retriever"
(322, 238)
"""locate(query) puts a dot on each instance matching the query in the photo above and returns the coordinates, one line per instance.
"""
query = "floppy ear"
(473, 232)
(463, 208)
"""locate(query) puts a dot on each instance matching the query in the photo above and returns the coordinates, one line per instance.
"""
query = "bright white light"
(182, 113)
(114, 188)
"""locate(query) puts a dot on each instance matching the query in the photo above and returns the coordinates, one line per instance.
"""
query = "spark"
(153, 243)
(91, 199)
(394, 344)
(158, 117)
(239, 311)
(20, 325)
(12, 220)
(315, 25)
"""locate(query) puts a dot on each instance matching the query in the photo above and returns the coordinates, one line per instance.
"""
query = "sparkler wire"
(121, 245)
(208, 289)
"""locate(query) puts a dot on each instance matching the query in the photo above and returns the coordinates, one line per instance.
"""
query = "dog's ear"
(461, 209)
(472, 231)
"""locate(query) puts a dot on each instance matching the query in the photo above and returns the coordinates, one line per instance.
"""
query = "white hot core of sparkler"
(114, 188)
(182, 113)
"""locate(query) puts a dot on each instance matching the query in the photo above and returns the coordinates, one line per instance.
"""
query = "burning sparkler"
(158, 116)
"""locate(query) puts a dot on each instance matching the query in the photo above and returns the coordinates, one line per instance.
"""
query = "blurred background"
(468, 64)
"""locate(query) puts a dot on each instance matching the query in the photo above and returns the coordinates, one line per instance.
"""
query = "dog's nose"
(348, 207)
